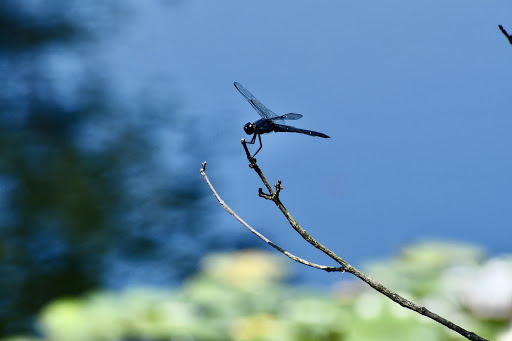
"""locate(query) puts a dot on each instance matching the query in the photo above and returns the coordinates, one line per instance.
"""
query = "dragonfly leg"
(253, 139)
(261, 145)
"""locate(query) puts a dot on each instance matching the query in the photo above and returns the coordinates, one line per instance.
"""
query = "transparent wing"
(257, 105)
(290, 116)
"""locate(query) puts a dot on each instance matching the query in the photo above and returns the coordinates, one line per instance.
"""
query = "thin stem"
(266, 240)
(345, 267)
(350, 269)
(509, 37)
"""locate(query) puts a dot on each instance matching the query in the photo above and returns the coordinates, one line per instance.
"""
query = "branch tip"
(509, 37)
(266, 196)
(278, 187)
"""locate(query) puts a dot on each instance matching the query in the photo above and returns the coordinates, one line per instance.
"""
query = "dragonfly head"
(249, 128)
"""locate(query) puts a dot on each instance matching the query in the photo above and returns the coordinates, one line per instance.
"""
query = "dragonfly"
(269, 120)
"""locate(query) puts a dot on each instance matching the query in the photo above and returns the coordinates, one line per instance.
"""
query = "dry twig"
(345, 267)
(509, 37)
(266, 240)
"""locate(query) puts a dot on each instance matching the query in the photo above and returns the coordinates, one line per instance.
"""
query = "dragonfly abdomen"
(290, 129)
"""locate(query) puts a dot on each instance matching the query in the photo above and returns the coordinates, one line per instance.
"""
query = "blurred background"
(108, 109)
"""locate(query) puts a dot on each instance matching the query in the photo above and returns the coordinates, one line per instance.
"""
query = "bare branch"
(349, 268)
(266, 240)
(509, 37)
(345, 267)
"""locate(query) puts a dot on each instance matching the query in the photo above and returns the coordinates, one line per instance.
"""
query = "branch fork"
(345, 267)
(272, 195)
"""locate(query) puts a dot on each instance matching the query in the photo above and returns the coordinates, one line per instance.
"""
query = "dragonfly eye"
(249, 129)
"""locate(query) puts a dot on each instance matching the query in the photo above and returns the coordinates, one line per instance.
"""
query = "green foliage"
(242, 296)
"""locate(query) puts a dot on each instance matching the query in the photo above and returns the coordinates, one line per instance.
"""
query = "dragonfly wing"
(290, 129)
(264, 111)
(290, 116)
(246, 93)
(256, 104)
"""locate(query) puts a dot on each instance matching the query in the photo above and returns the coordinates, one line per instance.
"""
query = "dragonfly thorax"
(249, 128)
